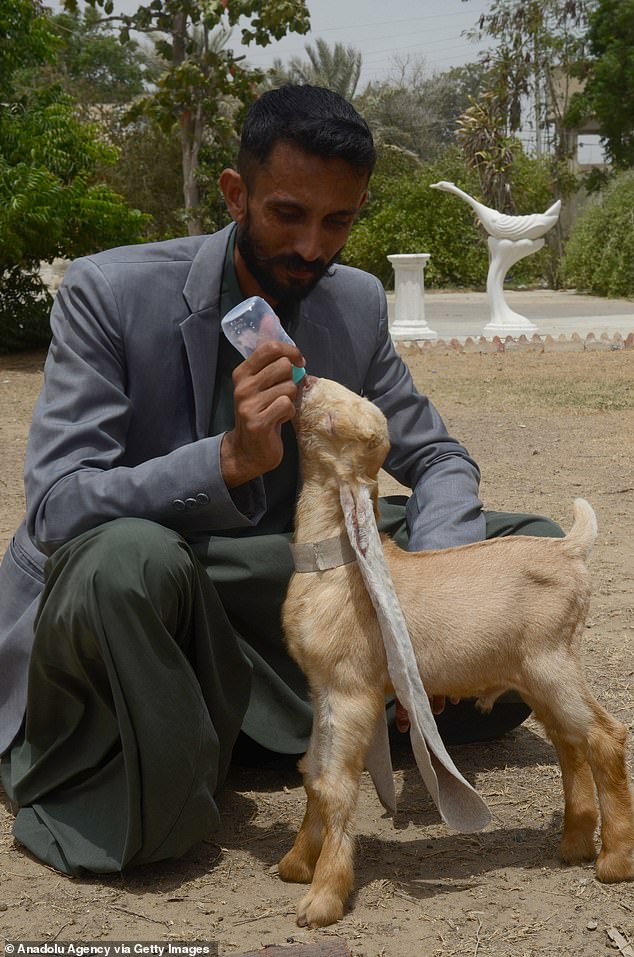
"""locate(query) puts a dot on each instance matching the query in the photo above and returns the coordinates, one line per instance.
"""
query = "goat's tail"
(583, 533)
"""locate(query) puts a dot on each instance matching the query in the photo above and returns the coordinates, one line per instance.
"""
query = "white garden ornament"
(510, 239)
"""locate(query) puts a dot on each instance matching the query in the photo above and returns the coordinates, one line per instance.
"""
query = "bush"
(405, 216)
(25, 304)
(600, 252)
(50, 206)
(51, 202)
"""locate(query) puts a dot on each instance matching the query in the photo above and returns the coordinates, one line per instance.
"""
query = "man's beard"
(262, 268)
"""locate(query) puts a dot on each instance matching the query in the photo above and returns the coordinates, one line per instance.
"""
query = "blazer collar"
(202, 289)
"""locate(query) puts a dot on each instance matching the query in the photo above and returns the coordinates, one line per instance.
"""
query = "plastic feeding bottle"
(253, 322)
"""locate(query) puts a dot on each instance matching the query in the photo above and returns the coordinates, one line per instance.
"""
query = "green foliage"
(25, 38)
(408, 217)
(147, 174)
(404, 215)
(50, 201)
(608, 73)
(90, 63)
(25, 305)
(600, 251)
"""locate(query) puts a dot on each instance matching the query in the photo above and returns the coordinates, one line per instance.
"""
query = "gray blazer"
(121, 425)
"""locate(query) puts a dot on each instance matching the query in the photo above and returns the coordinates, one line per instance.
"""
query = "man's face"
(296, 217)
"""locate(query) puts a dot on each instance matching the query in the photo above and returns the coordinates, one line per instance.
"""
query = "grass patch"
(583, 383)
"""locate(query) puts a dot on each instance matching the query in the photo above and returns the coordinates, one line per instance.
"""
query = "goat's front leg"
(346, 725)
(298, 864)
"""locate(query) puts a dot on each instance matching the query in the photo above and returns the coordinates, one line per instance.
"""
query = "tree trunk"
(191, 136)
(191, 129)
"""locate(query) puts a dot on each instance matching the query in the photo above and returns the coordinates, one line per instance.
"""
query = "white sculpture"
(511, 238)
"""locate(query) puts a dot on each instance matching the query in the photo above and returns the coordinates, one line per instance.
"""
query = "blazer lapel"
(201, 329)
(314, 340)
(200, 335)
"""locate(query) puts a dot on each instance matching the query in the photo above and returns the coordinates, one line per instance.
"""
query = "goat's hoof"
(577, 848)
(615, 866)
(295, 869)
(319, 908)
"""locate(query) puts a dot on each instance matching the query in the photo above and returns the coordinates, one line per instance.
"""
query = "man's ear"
(234, 191)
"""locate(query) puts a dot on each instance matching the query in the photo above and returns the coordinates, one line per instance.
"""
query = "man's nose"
(310, 244)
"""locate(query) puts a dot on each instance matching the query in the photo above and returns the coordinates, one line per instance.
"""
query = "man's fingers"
(437, 703)
(402, 717)
(268, 354)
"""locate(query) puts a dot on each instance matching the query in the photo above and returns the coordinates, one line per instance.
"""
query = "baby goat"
(483, 618)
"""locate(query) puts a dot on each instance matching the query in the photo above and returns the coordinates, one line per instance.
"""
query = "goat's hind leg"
(581, 814)
(606, 754)
(591, 745)
(347, 726)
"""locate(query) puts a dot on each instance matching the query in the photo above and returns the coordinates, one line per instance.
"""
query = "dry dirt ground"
(545, 428)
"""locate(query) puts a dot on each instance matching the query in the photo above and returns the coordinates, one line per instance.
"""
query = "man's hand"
(437, 702)
(264, 398)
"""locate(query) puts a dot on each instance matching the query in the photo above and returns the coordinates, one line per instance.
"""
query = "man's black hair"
(312, 118)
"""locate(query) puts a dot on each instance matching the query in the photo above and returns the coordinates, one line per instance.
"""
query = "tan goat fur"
(483, 618)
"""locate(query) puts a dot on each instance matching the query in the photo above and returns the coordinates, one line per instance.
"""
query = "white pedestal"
(409, 287)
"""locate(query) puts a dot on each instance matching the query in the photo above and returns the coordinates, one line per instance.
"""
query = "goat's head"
(341, 431)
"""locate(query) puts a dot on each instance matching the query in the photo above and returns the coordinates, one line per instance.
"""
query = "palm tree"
(337, 68)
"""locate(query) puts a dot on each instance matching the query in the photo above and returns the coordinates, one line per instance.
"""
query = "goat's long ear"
(459, 805)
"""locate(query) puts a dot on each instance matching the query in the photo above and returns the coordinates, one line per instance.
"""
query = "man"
(161, 477)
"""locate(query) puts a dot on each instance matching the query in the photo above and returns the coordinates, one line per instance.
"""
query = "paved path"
(461, 314)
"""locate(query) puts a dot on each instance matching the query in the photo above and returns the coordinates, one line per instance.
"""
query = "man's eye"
(287, 215)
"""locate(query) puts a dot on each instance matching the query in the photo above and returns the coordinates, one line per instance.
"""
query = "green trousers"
(151, 653)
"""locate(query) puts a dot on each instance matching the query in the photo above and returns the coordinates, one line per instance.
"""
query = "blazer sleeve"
(444, 508)
(74, 476)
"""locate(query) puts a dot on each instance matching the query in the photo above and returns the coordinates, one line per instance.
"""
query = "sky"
(384, 29)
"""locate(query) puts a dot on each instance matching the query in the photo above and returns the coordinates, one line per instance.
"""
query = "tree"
(415, 111)
(337, 68)
(104, 77)
(50, 201)
(538, 42)
(608, 75)
(200, 77)
(489, 150)
(90, 63)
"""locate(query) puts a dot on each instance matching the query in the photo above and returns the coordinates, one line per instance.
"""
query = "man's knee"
(126, 556)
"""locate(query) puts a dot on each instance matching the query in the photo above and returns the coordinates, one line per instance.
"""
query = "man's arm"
(444, 508)
(80, 469)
